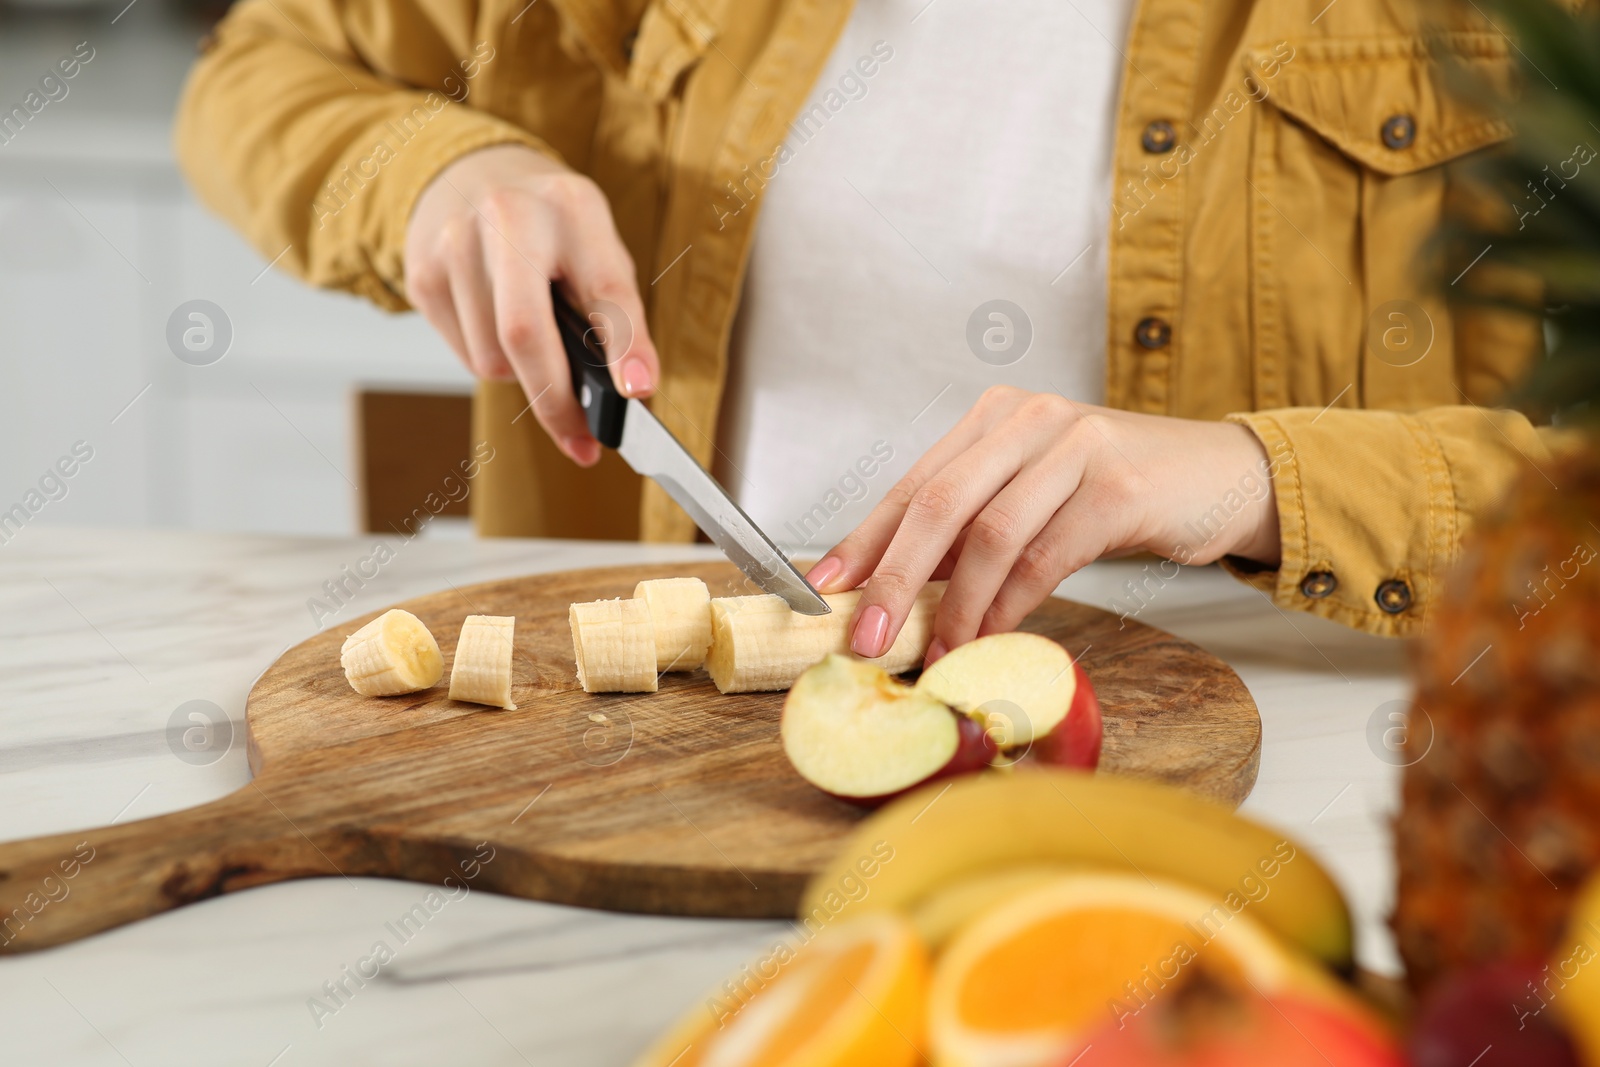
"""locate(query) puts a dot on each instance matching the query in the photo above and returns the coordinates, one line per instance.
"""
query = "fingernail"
(871, 630)
(585, 451)
(936, 650)
(826, 570)
(635, 377)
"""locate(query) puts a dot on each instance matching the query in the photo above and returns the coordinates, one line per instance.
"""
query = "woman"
(1179, 241)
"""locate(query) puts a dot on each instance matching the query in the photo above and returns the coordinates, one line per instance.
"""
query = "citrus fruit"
(1028, 981)
(855, 994)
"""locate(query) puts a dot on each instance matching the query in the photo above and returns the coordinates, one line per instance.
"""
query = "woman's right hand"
(486, 238)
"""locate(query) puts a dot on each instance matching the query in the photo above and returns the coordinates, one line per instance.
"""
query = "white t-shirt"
(952, 153)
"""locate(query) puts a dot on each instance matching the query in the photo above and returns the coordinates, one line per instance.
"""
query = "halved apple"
(854, 732)
(1033, 699)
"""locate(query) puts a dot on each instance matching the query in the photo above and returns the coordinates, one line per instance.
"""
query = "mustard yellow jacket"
(1278, 166)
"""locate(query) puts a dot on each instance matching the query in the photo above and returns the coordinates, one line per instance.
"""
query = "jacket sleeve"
(289, 131)
(1368, 499)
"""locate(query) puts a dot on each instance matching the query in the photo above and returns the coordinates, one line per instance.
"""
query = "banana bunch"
(396, 653)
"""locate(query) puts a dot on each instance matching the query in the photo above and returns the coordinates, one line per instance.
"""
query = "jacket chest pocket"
(1348, 180)
(672, 37)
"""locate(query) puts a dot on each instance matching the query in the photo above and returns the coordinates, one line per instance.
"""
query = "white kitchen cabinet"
(99, 242)
(69, 356)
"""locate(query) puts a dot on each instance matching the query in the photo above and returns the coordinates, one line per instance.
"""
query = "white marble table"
(106, 632)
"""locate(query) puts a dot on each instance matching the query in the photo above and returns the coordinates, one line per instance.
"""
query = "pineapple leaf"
(1532, 209)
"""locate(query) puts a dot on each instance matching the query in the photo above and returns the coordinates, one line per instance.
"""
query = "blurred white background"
(100, 241)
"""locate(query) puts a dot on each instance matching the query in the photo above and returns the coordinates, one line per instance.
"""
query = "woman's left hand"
(1029, 487)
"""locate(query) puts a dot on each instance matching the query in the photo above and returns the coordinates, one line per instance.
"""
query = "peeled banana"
(394, 653)
(758, 644)
(615, 644)
(680, 612)
(481, 673)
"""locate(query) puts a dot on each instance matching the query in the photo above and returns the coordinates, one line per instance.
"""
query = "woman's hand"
(1029, 487)
(486, 239)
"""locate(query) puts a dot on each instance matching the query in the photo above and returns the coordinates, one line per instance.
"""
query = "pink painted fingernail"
(936, 650)
(826, 570)
(636, 377)
(872, 629)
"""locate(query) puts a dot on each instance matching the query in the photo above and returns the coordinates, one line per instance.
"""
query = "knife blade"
(627, 425)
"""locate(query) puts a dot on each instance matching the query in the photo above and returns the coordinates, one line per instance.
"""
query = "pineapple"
(1500, 820)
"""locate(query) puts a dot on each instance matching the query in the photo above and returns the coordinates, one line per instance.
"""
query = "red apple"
(854, 732)
(1029, 693)
(1076, 741)
(1211, 1023)
(1493, 1016)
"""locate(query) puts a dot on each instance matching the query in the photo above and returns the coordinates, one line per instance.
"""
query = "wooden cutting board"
(678, 802)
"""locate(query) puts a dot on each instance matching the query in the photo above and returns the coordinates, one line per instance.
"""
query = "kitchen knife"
(626, 425)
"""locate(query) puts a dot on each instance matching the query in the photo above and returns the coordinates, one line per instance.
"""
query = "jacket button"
(1393, 596)
(1159, 137)
(1399, 131)
(1153, 332)
(1319, 584)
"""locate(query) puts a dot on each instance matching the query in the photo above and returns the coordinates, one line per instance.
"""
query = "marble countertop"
(104, 633)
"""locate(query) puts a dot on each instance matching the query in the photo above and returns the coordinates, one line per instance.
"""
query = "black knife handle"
(602, 405)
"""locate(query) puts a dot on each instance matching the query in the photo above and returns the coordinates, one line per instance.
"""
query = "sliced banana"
(759, 645)
(614, 642)
(481, 673)
(680, 611)
(394, 653)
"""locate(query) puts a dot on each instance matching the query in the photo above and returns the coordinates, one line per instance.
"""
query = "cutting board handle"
(66, 886)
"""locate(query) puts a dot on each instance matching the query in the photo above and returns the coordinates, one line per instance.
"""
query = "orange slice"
(853, 995)
(1027, 982)
(943, 914)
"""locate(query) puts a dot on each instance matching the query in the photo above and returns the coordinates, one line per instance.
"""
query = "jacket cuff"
(399, 159)
(1372, 505)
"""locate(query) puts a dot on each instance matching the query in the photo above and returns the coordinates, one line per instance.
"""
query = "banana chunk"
(759, 645)
(614, 642)
(680, 612)
(394, 653)
(481, 673)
